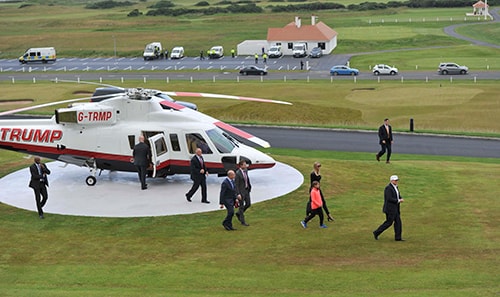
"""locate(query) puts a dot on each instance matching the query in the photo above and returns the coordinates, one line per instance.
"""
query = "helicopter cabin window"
(222, 142)
(194, 141)
(161, 146)
(174, 141)
(131, 141)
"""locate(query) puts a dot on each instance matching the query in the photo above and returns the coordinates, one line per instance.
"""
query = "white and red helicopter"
(101, 134)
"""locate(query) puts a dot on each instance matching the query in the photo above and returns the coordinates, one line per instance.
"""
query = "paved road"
(364, 141)
(450, 30)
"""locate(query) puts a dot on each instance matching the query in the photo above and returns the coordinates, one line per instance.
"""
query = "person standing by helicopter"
(198, 176)
(39, 184)
(243, 188)
(142, 158)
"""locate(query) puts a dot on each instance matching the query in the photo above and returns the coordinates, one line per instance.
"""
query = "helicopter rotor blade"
(221, 96)
(9, 112)
(242, 134)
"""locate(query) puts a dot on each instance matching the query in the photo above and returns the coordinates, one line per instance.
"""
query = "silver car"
(452, 68)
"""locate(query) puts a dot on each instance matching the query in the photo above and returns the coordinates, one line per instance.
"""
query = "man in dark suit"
(392, 201)
(385, 141)
(227, 199)
(142, 159)
(198, 175)
(243, 188)
(39, 184)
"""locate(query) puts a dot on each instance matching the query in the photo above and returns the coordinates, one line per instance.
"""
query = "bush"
(134, 13)
(202, 3)
(108, 4)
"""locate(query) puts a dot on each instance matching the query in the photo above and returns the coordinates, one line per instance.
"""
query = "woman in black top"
(316, 176)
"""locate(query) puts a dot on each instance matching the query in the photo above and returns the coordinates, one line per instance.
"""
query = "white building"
(317, 34)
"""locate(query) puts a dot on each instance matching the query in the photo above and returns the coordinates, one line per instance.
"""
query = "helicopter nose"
(261, 160)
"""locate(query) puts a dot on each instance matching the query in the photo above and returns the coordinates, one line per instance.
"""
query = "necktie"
(387, 129)
(201, 161)
(245, 177)
(39, 169)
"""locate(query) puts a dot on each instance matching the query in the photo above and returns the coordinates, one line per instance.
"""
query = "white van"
(299, 50)
(216, 52)
(177, 53)
(153, 51)
(38, 54)
(275, 51)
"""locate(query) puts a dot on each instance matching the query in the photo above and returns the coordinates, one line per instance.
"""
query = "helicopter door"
(159, 151)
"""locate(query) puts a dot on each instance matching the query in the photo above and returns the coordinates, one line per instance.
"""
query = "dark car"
(316, 52)
(104, 93)
(253, 70)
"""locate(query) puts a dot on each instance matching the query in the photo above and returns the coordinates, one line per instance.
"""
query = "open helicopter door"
(159, 150)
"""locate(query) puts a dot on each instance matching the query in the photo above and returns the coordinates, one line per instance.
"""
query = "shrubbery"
(233, 8)
(165, 7)
(109, 4)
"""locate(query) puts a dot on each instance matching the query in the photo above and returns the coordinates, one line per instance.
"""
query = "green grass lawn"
(450, 220)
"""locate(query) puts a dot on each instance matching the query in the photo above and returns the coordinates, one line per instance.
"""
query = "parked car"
(275, 51)
(153, 51)
(177, 53)
(343, 70)
(253, 70)
(384, 69)
(316, 52)
(216, 52)
(299, 50)
(452, 68)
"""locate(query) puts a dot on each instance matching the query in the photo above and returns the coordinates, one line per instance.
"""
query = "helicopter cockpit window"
(194, 141)
(222, 143)
(161, 146)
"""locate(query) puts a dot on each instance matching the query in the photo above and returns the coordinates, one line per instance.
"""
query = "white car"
(177, 53)
(384, 69)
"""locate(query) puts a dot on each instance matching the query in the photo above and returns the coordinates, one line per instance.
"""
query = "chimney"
(313, 20)
(297, 22)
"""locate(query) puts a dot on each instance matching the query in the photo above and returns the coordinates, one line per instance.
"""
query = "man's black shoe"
(400, 239)
(41, 217)
(375, 235)
(188, 198)
(206, 201)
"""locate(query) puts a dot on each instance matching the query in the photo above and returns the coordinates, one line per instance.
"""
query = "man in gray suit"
(142, 158)
(392, 201)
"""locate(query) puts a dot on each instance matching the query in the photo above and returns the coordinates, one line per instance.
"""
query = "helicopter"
(100, 134)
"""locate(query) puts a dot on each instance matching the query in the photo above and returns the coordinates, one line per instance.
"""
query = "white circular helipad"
(119, 194)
